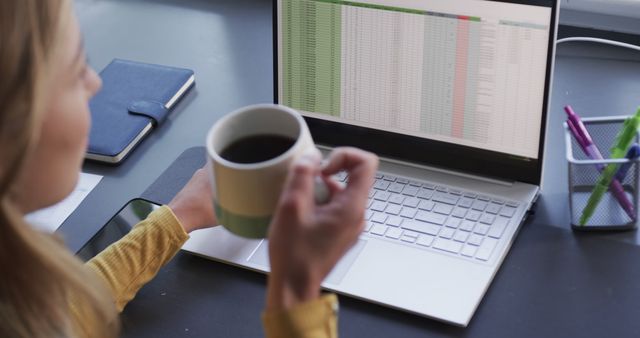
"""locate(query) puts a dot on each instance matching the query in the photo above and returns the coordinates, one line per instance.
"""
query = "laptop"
(453, 96)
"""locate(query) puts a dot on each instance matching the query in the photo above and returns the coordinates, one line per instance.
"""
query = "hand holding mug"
(306, 239)
(250, 152)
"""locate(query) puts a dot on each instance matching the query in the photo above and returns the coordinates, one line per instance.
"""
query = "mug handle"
(320, 191)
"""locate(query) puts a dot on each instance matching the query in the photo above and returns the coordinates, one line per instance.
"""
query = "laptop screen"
(439, 82)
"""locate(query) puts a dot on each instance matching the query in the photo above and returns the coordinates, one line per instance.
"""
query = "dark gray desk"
(228, 44)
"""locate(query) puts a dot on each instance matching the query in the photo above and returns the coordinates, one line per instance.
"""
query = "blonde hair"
(44, 290)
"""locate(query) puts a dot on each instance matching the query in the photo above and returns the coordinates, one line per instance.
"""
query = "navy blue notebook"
(135, 97)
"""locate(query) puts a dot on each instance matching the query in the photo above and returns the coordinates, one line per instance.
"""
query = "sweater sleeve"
(314, 319)
(129, 263)
(134, 260)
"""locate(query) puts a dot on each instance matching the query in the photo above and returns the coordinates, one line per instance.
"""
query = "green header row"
(399, 9)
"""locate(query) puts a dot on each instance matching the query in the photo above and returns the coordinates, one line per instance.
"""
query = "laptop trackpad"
(343, 266)
(260, 257)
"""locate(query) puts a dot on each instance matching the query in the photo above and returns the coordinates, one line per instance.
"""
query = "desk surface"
(228, 44)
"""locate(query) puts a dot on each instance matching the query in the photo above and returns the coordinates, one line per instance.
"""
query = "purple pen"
(588, 148)
(585, 141)
(583, 138)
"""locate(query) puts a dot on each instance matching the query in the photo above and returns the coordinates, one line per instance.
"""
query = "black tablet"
(119, 225)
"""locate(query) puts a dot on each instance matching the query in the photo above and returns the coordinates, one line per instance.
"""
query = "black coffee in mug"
(249, 173)
(257, 148)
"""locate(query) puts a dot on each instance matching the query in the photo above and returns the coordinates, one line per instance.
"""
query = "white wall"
(628, 8)
(610, 15)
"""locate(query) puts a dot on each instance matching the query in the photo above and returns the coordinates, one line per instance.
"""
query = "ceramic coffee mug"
(245, 191)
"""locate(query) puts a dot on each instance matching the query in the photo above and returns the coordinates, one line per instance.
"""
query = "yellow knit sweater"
(135, 259)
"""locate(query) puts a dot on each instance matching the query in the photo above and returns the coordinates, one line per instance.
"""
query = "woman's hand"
(306, 240)
(193, 205)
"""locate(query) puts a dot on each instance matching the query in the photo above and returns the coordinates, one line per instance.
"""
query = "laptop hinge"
(440, 170)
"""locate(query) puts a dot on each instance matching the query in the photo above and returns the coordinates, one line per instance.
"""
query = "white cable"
(604, 41)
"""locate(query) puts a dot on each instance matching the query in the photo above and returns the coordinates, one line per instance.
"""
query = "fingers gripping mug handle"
(320, 191)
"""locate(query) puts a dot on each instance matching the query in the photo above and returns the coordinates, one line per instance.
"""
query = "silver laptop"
(452, 95)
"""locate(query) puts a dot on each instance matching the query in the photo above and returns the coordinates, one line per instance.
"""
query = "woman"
(45, 85)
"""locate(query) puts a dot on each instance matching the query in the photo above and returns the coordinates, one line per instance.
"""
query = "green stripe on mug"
(250, 227)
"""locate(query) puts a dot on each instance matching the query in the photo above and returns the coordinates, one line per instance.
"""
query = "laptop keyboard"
(437, 217)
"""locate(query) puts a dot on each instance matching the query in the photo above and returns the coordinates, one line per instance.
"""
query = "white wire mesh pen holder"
(584, 175)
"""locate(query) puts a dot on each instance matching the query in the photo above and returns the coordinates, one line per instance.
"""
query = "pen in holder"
(618, 208)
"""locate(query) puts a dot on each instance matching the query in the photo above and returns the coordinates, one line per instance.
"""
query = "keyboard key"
(461, 236)
(452, 222)
(407, 239)
(393, 209)
(425, 240)
(423, 227)
(475, 239)
(467, 225)
(508, 211)
(465, 202)
(447, 245)
(411, 202)
(402, 180)
(445, 198)
(394, 233)
(425, 193)
(468, 250)
(426, 205)
(493, 208)
(381, 195)
(408, 212)
(479, 205)
(443, 208)
(378, 206)
(368, 226)
(371, 193)
(396, 187)
(446, 233)
(378, 229)
(487, 218)
(455, 192)
(497, 229)
(431, 217)
(497, 201)
(381, 185)
(396, 198)
(415, 183)
(441, 188)
(470, 195)
(378, 175)
(389, 178)
(369, 202)
(459, 212)
(410, 233)
(512, 204)
(484, 198)
(341, 176)
(410, 190)
(379, 217)
(485, 250)
(368, 214)
(429, 186)
(481, 229)
(394, 221)
(473, 215)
